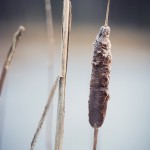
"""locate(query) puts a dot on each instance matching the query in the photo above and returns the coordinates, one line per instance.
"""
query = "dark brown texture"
(100, 78)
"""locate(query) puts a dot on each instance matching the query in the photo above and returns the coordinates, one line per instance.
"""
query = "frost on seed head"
(105, 31)
(102, 38)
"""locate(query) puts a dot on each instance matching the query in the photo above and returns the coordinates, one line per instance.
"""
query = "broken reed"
(99, 85)
(66, 27)
(51, 44)
(47, 106)
(10, 55)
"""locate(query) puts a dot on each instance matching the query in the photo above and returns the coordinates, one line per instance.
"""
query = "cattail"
(101, 66)
(100, 78)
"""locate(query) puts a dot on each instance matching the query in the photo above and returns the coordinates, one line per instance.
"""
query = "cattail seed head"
(99, 94)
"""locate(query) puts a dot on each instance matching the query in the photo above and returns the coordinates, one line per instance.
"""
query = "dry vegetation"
(61, 79)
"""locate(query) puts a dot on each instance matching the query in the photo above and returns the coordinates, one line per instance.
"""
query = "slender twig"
(107, 13)
(51, 43)
(47, 106)
(10, 55)
(95, 138)
(62, 83)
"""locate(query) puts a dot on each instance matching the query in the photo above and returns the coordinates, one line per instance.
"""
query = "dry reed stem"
(10, 55)
(107, 13)
(51, 43)
(47, 106)
(95, 138)
(62, 83)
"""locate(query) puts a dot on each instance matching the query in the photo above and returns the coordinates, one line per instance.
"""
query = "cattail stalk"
(10, 55)
(107, 13)
(47, 106)
(66, 27)
(95, 138)
(99, 85)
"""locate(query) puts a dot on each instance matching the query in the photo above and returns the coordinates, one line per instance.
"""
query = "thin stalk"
(96, 129)
(95, 138)
(47, 106)
(51, 44)
(10, 55)
(107, 13)
(66, 27)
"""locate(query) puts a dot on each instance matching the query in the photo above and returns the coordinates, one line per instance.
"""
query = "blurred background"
(36, 64)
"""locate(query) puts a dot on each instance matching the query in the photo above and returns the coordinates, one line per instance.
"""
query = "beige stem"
(10, 55)
(51, 44)
(107, 13)
(62, 83)
(47, 106)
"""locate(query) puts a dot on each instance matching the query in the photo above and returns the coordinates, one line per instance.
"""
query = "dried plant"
(100, 76)
(51, 43)
(10, 55)
(47, 106)
(66, 27)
